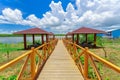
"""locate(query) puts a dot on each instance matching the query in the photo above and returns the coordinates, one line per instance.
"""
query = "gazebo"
(86, 31)
(69, 33)
(33, 32)
(52, 35)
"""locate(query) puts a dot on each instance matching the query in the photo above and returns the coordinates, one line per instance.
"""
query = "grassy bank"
(9, 52)
(112, 50)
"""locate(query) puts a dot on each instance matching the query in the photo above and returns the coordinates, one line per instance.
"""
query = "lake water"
(16, 39)
(9, 40)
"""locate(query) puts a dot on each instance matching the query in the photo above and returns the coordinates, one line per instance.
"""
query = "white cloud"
(101, 14)
(90, 4)
(13, 16)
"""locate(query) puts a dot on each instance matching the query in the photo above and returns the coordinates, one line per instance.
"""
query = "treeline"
(14, 35)
(9, 35)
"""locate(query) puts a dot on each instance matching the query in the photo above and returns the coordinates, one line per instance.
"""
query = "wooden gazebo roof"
(51, 33)
(32, 31)
(86, 30)
(69, 33)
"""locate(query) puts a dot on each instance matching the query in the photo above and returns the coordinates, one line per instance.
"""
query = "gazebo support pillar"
(73, 38)
(46, 38)
(95, 37)
(86, 35)
(25, 41)
(42, 39)
(53, 36)
(33, 37)
(77, 39)
(66, 37)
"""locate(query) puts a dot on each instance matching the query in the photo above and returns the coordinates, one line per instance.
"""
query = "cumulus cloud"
(11, 16)
(100, 14)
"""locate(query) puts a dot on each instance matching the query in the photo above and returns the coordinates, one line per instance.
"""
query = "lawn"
(112, 49)
(9, 52)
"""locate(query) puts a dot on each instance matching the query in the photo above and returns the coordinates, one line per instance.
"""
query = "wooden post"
(77, 39)
(86, 64)
(65, 36)
(95, 37)
(46, 38)
(53, 36)
(73, 38)
(33, 37)
(42, 39)
(86, 35)
(33, 63)
(25, 42)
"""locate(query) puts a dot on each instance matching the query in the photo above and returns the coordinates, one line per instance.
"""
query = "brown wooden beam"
(86, 36)
(42, 38)
(46, 38)
(77, 39)
(95, 38)
(72, 37)
(25, 41)
(33, 37)
(66, 36)
(53, 36)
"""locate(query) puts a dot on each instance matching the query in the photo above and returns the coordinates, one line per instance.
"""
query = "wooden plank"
(60, 66)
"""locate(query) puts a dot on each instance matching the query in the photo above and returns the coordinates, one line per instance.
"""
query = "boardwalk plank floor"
(60, 66)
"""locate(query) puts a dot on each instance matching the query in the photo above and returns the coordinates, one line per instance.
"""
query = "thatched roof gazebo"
(86, 31)
(33, 32)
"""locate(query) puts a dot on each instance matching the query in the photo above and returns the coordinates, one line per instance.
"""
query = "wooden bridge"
(55, 62)
(60, 66)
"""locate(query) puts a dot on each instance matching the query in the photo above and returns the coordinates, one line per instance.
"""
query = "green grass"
(112, 48)
(10, 47)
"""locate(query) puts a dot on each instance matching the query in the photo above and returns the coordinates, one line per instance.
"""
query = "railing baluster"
(95, 68)
(32, 55)
(33, 63)
(87, 54)
(86, 64)
(23, 68)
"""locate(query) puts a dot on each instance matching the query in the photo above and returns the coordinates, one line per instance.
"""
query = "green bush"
(13, 77)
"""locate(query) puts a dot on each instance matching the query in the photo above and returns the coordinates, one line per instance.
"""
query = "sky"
(58, 16)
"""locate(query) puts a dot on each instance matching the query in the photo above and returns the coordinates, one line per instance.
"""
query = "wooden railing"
(36, 57)
(77, 51)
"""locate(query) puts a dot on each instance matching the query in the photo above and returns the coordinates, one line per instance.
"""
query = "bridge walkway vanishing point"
(60, 66)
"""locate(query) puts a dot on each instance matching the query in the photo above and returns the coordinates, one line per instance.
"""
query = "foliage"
(38, 42)
(9, 35)
(59, 34)
(13, 77)
(10, 47)
(82, 59)
(91, 73)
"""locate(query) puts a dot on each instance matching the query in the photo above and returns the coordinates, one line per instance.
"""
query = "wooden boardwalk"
(60, 66)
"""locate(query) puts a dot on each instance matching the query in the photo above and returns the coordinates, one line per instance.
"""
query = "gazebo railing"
(84, 58)
(34, 61)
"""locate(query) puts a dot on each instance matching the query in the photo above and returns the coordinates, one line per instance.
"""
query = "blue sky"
(58, 16)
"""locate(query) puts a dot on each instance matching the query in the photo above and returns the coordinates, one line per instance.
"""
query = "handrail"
(45, 49)
(88, 56)
(14, 61)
